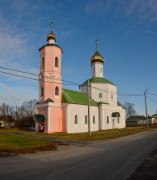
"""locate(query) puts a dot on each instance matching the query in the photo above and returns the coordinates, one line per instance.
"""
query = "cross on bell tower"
(51, 38)
(51, 23)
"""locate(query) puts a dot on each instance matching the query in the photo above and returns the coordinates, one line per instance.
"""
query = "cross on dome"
(96, 41)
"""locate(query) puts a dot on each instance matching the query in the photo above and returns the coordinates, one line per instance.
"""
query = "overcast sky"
(127, 30)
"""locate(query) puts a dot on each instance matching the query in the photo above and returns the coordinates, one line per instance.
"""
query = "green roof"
(75, 97)
(98, 80)
(48, 100)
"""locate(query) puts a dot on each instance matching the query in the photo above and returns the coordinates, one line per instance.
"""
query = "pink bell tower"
(50, 70)
(50, 86)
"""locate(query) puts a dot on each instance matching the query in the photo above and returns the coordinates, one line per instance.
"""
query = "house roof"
(154, 115)
(98, 80)
(75, 97)
(137, 118)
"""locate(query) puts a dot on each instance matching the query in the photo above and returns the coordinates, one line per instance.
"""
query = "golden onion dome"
(97, 57)
(51, 35)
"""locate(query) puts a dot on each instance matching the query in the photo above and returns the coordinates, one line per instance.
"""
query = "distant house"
(152, 119)
(6, 120)
(136, 120)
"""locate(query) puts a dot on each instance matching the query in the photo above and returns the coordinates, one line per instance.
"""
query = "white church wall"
(75, 117)
(99, 92)
(112, 94)
(104, 92)
(109, 122)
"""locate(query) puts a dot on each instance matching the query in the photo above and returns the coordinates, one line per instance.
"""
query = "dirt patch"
(147, 170)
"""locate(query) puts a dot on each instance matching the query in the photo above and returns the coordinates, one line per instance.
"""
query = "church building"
(65, 110)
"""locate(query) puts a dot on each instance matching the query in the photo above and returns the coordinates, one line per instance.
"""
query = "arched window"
(42, 63)
(93, 119)
(56, 91)
(107, 119)
(86, 119)
(118, 119)
(112, 96)
(76, 119)
(56, 62)
(42, 92)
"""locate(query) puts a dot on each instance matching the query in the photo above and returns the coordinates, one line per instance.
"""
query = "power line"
(18, 71)
(18, 75)
(118, 93)
(62, 81)
(152, 100)
(52, 77)
(34, 78)
(152, 94)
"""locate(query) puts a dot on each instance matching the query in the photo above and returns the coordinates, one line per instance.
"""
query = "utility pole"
(88, 92)
(145, 98)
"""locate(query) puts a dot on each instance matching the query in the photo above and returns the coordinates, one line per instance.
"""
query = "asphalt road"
(107, 160)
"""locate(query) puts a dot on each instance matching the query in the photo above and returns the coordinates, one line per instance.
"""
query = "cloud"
(11, 46)
(67, 33)
(145, 10)
(142, 11)
(17, 95)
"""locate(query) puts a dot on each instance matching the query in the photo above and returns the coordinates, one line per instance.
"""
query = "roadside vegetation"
(98, 135)
(13, 140)
(12, 143)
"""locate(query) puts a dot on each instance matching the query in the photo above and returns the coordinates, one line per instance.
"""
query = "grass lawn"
(21, 141)
(15, 143)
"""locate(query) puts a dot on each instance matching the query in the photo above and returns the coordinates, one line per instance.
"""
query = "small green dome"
(97, 57)
(51, 35)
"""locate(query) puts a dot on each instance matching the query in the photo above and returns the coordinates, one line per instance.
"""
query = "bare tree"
(130, 109)
(27, 109)
(7, 113)
(26, 113)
